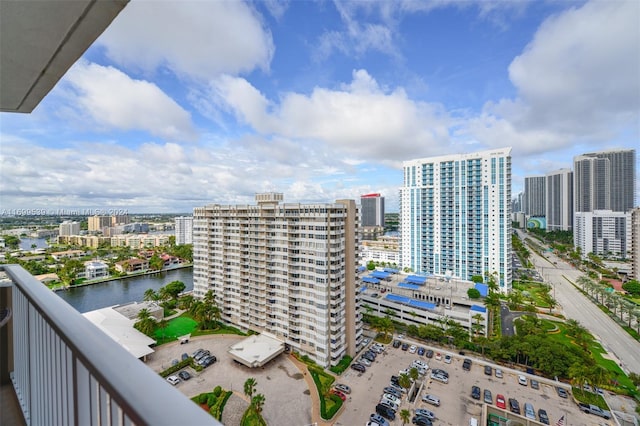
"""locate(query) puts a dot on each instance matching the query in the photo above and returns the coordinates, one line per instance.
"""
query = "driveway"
(287, 395)
(506, 320)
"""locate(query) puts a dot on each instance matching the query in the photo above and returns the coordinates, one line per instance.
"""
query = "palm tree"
(405, 415)
(257, 402)
(477, 327)
(548, 299)
(413, 374)
(250, 387)
(145, 324)
(579, 374)
(150, 295)
(584, 282)
(404, 381)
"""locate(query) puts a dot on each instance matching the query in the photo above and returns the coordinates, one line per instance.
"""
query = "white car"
(522, 380)
(447, 359)
(440, 377)
(174, 380)
(343, 388)
(413, 349)
(364, 361)
(392, 398)
(420, 364)
(438, 356)
(390, 404)
(431, 399)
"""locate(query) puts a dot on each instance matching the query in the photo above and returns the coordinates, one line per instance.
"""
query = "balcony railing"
(66, 371)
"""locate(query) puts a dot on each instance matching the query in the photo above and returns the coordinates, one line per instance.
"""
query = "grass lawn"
(177, 327)
(534, 289)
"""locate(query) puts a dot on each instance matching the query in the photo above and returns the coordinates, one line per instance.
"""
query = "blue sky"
(182, 104)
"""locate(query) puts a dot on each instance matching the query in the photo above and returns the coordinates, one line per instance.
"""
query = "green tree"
(632, 287)
(413, 374)
(404, 381)
(473, 293)
(150, 295)
(548, 299)
(405, 416)
(257, 402)
(146, 323)
(477, 279)
(174, 288)
(250, 387)
(156, 263)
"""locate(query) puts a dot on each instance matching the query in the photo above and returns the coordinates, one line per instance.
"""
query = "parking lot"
(457, 407)
(286, 392)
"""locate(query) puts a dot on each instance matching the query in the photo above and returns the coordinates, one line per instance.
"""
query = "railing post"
(6, 337)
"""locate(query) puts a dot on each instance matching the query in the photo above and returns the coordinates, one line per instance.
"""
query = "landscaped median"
(329, 403)
(213, 401)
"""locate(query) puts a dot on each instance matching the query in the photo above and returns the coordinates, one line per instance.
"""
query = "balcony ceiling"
(40, 40)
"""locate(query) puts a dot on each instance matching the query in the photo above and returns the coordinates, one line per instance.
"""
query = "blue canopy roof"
(410, 302)
(416, 279)
(363, 288)
(361, 268)
(380, 274)
(391, 270)
(371, 280)
(483, 289)
(478, 308)
(409, 286)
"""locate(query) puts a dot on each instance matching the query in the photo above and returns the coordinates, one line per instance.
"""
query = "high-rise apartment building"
(69, 228)
(605, 181)
(286, 269)
(635, 244)
(603, 232)
(184, 229)
(455, 215)
(96, 223)
(372, 210)
(534, 202)
(559, 205)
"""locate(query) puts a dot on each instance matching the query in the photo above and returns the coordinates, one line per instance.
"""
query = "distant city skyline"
(320, 100)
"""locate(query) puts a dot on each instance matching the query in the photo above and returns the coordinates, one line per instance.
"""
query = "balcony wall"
(66, 371)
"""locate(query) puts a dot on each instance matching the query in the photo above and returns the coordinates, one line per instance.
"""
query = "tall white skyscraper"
(559, 205)
(287, 269)
(184, 229)
(455, 215)
(534, 196)
(69, 228)
(372, 206)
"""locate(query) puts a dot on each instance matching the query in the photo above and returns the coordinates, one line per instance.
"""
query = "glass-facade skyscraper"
(455, 215)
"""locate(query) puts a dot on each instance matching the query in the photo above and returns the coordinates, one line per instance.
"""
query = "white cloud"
(113, 100)
(360, 118)
(577, 81)
(200, 39)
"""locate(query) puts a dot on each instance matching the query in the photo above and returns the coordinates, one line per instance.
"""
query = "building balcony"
(60, 369)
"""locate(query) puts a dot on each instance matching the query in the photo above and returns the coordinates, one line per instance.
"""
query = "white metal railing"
(66, 371)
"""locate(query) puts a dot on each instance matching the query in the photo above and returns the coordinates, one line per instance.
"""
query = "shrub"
(179, 366)
(342, 365)
(217, 390)
(202, 398)
(473, 293)
(211, 400)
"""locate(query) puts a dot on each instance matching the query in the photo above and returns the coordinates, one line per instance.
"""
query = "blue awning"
(370, 280)
(416, 279)
(363, 288)
(362, 268)
(409, 286)
(483, 289)
(391, 270)
(478, 308)
(410, 302)
(380, 274)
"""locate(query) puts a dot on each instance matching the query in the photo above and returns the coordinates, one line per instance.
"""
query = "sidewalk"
(313, 393)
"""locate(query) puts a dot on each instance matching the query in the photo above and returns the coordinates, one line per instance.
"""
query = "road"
(577, 306)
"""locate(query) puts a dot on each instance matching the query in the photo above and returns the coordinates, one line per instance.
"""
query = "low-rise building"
(132, 265)
(68, 254)
(95, 269)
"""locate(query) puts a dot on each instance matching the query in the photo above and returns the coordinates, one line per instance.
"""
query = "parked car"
(535, 384)
(488, 398)
(343, 388)
(500, 402)
(364, 361)
(429, 353)
(197, 352)
(488, 370)
(438, 356)
(405, 346)
(529, 412)
(358, 367)
(184, 356)
(421, 351)
(522, 380)
(201, 355)
(423, 412)
(390, 397)
(413, 349)
(514, 405)
(498, 373)
(440, 377)
(421, 421)
(378, 419)
(396, 344)
(431, 399)
(385, 412)
(184, 375)
(447, 359)
(475, 392)
(441, 372)
(594, 409)
(466, 364)
(340, 394)
(392, 390)
(542, 415)
(174, 380)
(562, 393)
(390, 404)
(207, 361)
